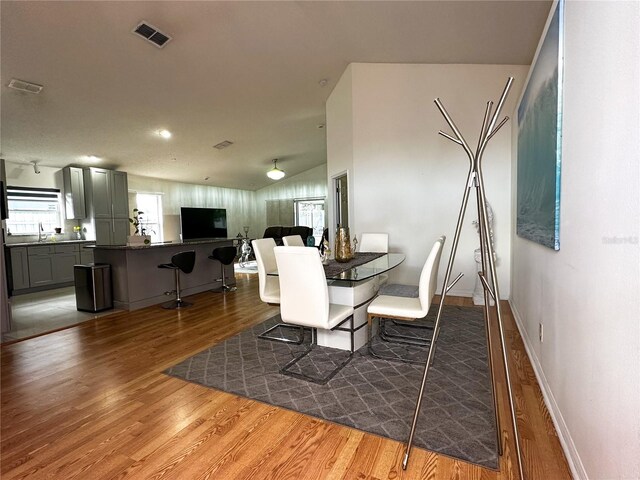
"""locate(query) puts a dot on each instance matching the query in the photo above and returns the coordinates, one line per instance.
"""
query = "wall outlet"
(541, 332)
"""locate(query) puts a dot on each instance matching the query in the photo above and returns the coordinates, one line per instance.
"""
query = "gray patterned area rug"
(370, 394)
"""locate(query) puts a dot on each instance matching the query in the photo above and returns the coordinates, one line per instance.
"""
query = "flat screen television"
(199, 223)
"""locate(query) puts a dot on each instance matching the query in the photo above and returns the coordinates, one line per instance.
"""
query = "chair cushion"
(337, 313)
(185, 261)
(304, 232)
(273, 232)
(225, 255)
(271, 293)
(403, 307)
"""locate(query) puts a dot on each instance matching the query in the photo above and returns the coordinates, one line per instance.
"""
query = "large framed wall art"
(540, 140)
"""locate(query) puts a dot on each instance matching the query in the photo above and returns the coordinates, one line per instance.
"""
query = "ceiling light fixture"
(275, 173)
(92, 159)
(164, 134)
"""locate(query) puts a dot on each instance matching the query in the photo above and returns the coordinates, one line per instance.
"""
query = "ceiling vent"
(24, 86)
(151, 34)
(222, 145)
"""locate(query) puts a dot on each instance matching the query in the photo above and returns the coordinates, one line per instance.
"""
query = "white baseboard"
(568, 446)
(454, 292)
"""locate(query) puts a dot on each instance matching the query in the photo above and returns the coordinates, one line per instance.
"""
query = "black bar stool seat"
(180, 262)
(226, 256)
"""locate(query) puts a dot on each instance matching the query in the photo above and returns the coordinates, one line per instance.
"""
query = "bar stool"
(183, 261)
(226, 256)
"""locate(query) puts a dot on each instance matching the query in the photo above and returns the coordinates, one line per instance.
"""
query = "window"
(310, 213)
(31, 207)
(151, 219)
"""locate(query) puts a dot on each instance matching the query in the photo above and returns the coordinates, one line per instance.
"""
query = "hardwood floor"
(91, 402)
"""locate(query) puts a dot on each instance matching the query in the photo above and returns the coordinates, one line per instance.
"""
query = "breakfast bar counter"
(138, 282)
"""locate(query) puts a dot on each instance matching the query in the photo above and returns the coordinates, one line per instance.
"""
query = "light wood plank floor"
(91, 402)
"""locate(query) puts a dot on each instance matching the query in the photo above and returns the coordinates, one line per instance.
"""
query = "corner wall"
(240, 204)
(309, 184)
(407, 180)
(587, 295)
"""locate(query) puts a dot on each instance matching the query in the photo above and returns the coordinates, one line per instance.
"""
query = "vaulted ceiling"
(254, 73)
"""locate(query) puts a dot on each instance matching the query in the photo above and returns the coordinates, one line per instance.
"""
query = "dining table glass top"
(367, 270)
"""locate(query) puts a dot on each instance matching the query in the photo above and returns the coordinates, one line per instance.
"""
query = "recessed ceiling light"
(91, 159)
(323, 82)
(163, 133)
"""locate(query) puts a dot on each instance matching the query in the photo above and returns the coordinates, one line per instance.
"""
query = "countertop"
(47, 243)
(163, 244)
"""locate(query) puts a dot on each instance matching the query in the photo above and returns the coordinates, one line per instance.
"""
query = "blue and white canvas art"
(540, 142)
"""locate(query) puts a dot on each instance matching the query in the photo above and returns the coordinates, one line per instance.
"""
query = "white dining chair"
(293, 241)
(304, 301)
(375, 243)
(269, 285)
(404, 310)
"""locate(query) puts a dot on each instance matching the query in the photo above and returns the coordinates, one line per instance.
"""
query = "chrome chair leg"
(314, 343)
(298, 341)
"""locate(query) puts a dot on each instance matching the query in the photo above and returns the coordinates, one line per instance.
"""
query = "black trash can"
(93, 287)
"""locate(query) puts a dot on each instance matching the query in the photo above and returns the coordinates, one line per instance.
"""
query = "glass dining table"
(351, 275)
(354, 283)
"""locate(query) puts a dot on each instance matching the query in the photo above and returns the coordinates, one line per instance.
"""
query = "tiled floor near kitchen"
(37, 313)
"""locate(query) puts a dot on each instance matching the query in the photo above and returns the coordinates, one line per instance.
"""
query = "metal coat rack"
(489, 282)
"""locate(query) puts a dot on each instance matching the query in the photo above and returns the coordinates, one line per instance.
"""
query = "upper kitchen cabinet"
(74, 201)
(107, 202)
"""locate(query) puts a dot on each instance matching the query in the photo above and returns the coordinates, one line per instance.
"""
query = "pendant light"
(275, 173)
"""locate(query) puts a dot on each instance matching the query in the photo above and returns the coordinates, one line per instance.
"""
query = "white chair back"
(266, 260)
(429, 275)
(304, 296)
(374, 242)
(293, 241)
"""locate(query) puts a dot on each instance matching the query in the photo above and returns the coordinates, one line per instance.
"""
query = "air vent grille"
(152, 34)
(222, 145)
(24, 86)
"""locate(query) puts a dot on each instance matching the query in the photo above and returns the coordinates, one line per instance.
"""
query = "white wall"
(309, 184)
(587, 294)
(409, 181)
(339, 113)
(240, 204)
(244, 207)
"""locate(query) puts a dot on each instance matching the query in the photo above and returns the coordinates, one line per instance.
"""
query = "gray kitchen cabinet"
(86, 256)
(111, 231)
(74, 201)
(120, 196)
(100, 184)
(107, 196)
(120, 231)
(48, 265)
(19, 268)
(64, 258)
(40, 266)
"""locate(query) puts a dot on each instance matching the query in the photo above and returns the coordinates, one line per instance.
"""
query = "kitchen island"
(138, 282)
